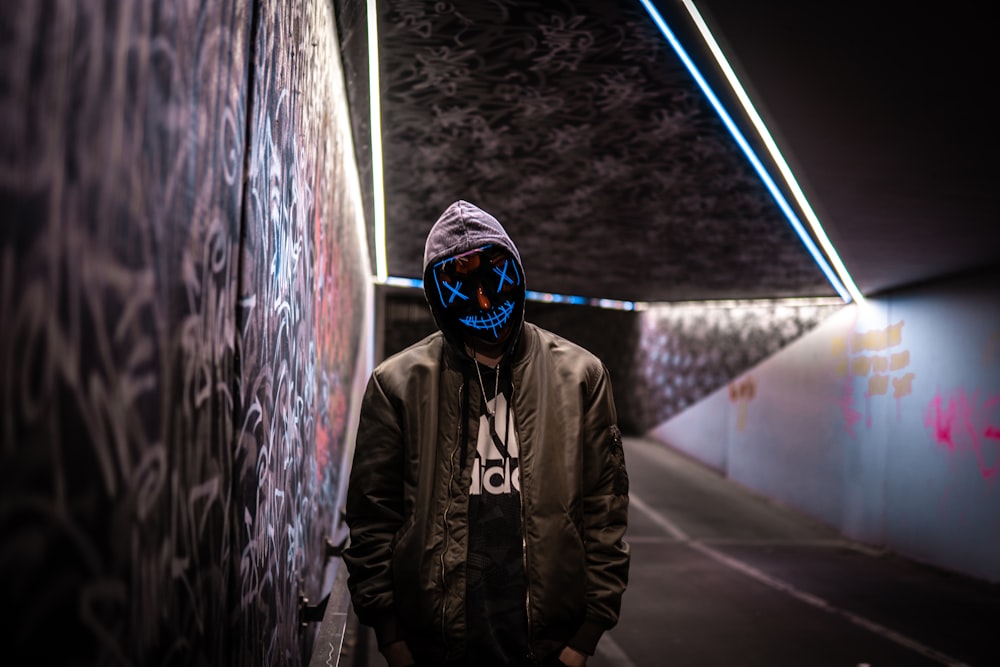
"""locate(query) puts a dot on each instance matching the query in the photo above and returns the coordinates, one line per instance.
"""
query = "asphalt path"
(723, 576)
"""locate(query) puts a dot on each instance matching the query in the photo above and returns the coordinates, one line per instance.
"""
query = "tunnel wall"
(185, 298)
(883, 422)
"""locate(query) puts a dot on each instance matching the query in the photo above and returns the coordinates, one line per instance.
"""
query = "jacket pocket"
(398, 540)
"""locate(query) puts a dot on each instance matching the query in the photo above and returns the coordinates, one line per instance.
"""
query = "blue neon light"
(493, 321)
(455, 291)
(748, 151)
(504, 278)
(531, 295)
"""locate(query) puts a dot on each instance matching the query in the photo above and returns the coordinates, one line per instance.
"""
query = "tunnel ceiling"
(578, 126)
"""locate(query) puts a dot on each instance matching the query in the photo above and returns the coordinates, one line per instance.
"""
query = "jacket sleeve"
(605, 515)
(374, 511)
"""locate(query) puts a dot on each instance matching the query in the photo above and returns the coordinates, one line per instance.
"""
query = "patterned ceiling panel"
(579, 128)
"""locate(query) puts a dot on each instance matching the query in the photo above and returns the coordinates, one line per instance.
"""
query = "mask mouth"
(493, 321)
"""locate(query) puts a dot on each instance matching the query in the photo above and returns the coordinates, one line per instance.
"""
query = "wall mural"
(687, 351)
(300, 315)
(139, 523)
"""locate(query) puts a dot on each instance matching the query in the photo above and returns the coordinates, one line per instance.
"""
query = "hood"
(463, 227)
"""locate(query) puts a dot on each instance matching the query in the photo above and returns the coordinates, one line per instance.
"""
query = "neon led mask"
(480, 291)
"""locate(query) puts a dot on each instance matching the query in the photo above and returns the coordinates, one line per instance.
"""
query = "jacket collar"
(517, 355)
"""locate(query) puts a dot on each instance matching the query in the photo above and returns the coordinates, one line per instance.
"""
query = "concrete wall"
(884, 422)
(184, 287)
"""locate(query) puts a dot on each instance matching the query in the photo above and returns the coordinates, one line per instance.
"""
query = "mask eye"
(452, 292)
(505, 273)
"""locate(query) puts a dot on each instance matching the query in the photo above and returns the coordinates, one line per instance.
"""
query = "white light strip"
(779, 198)
(375, 107)
(772, 149)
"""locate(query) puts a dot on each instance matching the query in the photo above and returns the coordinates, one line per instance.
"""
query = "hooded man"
(488, 496)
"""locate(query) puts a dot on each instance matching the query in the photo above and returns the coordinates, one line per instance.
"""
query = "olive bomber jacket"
(407, 501)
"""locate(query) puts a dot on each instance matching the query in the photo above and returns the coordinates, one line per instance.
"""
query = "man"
(488, 496)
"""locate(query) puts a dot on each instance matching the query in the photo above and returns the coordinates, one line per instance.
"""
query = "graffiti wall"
(302, 302)
(687, 351)
(883, 422)
(183, 286)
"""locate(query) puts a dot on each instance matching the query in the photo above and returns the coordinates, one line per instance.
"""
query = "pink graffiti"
(851, 416)
(962, 424)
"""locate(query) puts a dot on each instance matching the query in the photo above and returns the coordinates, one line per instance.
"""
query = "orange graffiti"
(880, 364)
(861, 366)
(878, 385)
(839, 345)
(902, 386)
(741, 393)
(855, 360)
(899, 360)
(742, 390)
(878, 339)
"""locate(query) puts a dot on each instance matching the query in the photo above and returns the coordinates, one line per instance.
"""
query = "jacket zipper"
(447, 536)
(524, 539)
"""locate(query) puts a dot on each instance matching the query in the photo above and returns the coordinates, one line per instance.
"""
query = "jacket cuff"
(586, 638)
(386, 629)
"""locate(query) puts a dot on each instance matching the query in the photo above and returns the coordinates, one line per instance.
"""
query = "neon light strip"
(835, 279)
(530, 295)
(775, 153)
(790, 302)
(375, 107)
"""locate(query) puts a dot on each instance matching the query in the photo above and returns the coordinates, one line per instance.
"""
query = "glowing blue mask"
(480, 291)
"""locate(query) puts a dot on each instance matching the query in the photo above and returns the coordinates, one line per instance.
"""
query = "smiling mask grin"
(493, 321)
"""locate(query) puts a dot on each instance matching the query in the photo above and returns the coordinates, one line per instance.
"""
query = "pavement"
(723, 576)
